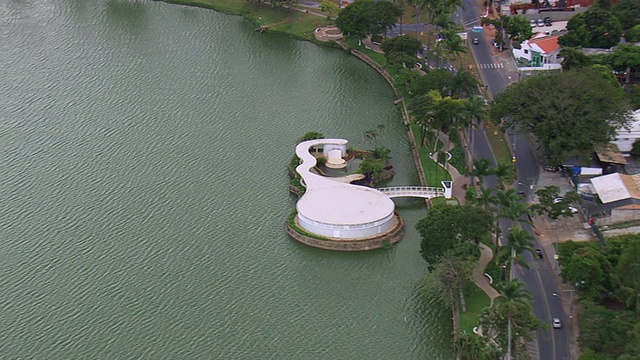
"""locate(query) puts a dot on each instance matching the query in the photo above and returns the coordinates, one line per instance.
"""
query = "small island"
(333, 212)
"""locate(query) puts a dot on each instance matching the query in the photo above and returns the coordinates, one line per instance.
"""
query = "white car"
(532, 23)
(556, 323)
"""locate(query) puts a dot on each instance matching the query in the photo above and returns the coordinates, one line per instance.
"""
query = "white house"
(625, 137)
(541, 52)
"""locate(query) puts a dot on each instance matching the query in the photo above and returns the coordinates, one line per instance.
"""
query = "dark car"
(547, 21)
(539, 253)
(476, 41)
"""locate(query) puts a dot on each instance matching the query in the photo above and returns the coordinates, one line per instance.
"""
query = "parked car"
(548, 21)
(540, 22)
(551, 168)
(532, 22)
(475, 41)
(556, 323)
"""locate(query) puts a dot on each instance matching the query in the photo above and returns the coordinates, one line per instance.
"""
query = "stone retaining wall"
(395, 234)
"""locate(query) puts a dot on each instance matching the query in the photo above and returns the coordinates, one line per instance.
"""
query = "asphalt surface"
(497, 72)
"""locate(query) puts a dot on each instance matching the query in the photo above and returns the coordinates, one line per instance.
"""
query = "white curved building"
(336, 209)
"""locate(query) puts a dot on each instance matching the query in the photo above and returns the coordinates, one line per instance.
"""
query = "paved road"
(497, 73)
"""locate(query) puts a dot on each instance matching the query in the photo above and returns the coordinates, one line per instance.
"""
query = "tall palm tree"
(505, 199)
(518, 241)
(464, 85)
(454, 45)
(504, 172)
(485, 198)
(480, 168)
(474, 111)
(513, 295)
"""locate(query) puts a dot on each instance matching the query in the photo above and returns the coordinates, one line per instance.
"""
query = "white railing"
(412, 191)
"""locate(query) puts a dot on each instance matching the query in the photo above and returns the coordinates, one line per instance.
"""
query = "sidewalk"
(479, 277)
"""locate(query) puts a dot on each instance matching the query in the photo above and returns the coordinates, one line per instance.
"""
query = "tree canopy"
(595, 28)
(569, 112)
(366, 17)
(405, 44)
(448, 228)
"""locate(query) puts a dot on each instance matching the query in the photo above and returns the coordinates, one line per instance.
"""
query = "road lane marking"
(546, 302)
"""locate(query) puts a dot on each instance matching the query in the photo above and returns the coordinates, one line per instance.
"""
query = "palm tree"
(518, 241)
(505, 200)
(504, 172)
(454, 45)
(513, 295)
(480, 169)
(485, 198)
(464, 83)
(474, 111)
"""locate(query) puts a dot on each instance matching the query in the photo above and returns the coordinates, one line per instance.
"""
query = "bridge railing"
(413, 190)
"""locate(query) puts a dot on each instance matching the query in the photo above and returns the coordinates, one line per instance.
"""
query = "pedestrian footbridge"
(416, 191)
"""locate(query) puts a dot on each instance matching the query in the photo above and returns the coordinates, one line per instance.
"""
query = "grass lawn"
(433, 172)
(300, 25)
(498, 143)
(476, 300)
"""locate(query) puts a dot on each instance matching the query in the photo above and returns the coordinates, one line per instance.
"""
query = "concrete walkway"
(478, 273)
(460, 182)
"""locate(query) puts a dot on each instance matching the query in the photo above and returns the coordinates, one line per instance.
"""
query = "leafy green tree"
(366, 17)
(548, 205)
(449, 228)
(628, 271)
(464, 84)
(633, 35)
(329, 7)
(635, 148)
(626, 57)
(385, 14)
(573, 58)
(518, 28)
(587, 271)
(577, 109)
(628, 12)
(596, 27)
(422, 111)
(606, 331)
(448, 277)
(405, 44)
(438, 79)
(312, 135)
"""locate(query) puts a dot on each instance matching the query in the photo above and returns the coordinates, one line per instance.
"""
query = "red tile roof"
(548, 44)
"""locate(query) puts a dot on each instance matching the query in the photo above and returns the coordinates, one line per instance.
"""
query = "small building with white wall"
(541, 52)
(626, 136)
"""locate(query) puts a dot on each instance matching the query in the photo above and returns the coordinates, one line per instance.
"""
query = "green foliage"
(626, 57)
(633, 94)
(329, 7)
(547, 206)
(366, 17)
(609, 333)
(312, 135)
(440, 80)
(628, 12)
(450, 228)
(573, 58)
(635, 148)
(405, 44)
(577, 109)
(633, 35)
(518, 28)
(596, 27)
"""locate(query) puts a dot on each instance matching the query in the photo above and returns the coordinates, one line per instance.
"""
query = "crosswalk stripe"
(491, 66)
(532, 349)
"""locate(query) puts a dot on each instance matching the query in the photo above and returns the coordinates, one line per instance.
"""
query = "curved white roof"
(332, 202)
